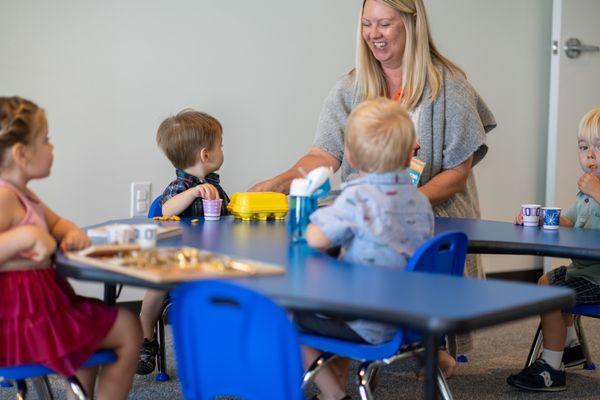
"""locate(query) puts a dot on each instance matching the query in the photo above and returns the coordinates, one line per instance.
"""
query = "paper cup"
(531, 214)
(145, 235)
(120, 233)
(212, 209)
(551, 217)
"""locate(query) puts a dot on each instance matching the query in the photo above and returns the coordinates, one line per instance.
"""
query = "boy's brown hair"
(181, 136)
(380, 135)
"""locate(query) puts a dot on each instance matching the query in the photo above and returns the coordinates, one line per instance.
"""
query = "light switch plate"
(139, 199)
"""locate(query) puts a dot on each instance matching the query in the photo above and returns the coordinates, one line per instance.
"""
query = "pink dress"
(42, 320)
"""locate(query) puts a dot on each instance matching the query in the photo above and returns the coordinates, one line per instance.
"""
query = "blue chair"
(155, 208)
(442, 254)
(586, 310)
(230, 341)
(39, 374)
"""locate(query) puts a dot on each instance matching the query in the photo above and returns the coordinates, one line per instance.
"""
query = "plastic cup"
(531, 214)
(551, 217)
(212, 209)
(145, 235)
(120, 233)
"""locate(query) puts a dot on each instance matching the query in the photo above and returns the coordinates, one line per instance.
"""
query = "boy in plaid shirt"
(193, 142)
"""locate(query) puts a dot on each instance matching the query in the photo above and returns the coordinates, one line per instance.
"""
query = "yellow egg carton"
(258, 205)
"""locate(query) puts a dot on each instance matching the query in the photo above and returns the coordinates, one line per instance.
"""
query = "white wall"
(108, 72)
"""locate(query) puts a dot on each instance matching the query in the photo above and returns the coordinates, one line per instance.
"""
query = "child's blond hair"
(181, 136)
(589, 126)
(379, 135)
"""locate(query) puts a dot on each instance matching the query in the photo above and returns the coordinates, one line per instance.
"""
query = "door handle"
(574, 48)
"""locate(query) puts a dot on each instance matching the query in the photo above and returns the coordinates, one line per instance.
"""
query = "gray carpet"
(498, 352)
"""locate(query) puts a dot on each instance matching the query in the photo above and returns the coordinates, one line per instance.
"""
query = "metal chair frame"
(578, 312)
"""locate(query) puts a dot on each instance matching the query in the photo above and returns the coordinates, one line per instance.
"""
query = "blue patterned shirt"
(379, 219)
(185, 181)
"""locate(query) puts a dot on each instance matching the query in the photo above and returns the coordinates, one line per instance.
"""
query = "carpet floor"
(498, 352)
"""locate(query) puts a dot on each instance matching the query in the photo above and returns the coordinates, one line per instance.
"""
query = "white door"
(574, 90)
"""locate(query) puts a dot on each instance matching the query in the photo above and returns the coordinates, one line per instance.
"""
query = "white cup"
(531, 214)
(145, 235)
(120, 233)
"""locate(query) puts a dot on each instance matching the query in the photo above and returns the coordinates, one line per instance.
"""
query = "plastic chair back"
(230, 341)
(442, 254)
(155, 208)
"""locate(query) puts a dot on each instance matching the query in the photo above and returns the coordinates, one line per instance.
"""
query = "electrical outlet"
(140, 199)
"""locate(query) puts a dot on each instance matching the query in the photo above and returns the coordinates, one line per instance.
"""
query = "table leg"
(110, 294)
(431, 366)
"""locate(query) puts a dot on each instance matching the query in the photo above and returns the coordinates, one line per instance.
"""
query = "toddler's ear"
(20, 154)
(203, 155)
(349, 158)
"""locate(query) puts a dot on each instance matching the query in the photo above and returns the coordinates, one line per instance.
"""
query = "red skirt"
(43, 321)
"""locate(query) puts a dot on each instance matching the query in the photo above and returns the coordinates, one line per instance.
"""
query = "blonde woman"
(396, 58)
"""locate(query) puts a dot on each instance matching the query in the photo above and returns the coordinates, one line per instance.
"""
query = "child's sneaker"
(147, 361)
(539, 377)
(573, 356)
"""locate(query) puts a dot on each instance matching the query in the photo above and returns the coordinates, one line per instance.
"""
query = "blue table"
(432, 304)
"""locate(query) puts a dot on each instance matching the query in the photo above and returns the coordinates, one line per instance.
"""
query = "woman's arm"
(447, 183)
(281, 183)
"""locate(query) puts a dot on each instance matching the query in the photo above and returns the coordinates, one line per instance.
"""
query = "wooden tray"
(170, 264)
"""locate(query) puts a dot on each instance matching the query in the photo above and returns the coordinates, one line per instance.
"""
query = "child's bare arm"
(26, 241)
(564, 221)
(316, 238)
(65, 232)
(178, 203)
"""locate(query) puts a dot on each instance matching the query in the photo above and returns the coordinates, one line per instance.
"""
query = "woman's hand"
(270, 185)
(74, 239)
(316, 157)
(206, 191)
(590, 185)
(519, 218)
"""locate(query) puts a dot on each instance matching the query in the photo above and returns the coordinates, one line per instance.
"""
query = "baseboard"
(527, 275)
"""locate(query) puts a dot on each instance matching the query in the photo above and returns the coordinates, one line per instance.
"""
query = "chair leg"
(42, 388)
(316, 366)
(365, 374)
(443, 386)
(77, 388)
(162, 375)
(374, 378)
(589, 363)
(21, 389)
(536, 346)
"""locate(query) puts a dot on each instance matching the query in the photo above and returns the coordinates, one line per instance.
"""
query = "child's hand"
(589, 184)
(43, 244)
(75, 239)
(519, 218)
(207, 191)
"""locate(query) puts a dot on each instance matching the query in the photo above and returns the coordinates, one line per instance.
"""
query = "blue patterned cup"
(531, 214)
(550, 217)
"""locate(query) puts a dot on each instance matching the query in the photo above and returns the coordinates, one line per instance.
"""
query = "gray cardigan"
(451, 128)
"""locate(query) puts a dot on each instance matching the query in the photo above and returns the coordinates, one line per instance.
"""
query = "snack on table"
(258, 205)
(170, 264)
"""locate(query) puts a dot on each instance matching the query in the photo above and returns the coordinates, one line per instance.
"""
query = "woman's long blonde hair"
(420, 64)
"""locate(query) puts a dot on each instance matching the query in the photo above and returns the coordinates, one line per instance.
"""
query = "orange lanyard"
(398, 95)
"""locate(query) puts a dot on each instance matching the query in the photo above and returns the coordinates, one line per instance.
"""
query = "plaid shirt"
(185, 181)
